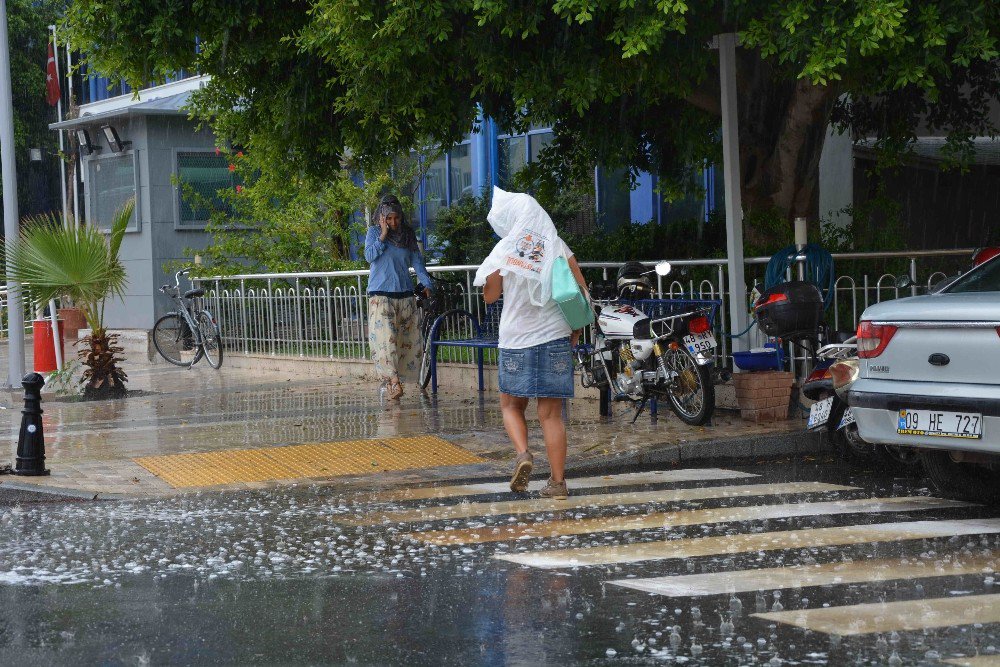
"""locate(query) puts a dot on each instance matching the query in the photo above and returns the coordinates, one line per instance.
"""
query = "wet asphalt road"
(303, 575)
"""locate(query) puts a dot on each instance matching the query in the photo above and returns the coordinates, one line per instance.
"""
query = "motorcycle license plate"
(702, 342)
(819, 413)
(848, 418)
(940, 424)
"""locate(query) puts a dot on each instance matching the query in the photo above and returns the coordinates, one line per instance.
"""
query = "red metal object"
(984, 255)
(45, 352)
(699, 325)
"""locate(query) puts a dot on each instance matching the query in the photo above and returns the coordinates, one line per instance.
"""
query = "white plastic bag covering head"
(527, 238)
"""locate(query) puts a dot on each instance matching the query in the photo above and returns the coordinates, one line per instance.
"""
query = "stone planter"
(763, 396)
(72, 320)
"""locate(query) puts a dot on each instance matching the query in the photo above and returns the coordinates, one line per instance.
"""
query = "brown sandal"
(395, 390)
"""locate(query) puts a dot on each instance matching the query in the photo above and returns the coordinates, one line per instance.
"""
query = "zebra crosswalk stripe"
(977, 661)
(464, 510)
(625, 479)
(795, 576)
(862, 619)
(681, 518)
(732, 544)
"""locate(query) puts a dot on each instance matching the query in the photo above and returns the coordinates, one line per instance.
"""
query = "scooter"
(831, 411)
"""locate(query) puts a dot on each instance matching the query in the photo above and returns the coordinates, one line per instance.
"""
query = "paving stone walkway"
(92, 447)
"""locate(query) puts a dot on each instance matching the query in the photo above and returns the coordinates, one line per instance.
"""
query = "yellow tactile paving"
(465, 510)
(863, 619)
(327, 459)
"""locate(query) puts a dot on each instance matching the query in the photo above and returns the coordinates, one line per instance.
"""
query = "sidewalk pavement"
(243, 429)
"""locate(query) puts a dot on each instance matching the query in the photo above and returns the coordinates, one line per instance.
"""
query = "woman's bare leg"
(512, 408)
(554, 432)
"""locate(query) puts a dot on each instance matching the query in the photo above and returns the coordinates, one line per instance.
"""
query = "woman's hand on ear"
(384, 225)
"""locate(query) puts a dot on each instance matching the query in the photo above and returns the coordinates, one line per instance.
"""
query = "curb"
(57, 492)
(746, 449)
(763, 446)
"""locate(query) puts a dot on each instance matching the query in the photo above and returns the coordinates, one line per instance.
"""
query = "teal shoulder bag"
(569, 297)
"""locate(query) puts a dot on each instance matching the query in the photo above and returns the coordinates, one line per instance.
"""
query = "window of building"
(512, 155)
(201, 175)
(435, 190)
(538, 141)
(112, 184)
(460, 172)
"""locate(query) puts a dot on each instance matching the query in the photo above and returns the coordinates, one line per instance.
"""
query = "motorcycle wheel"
(692, 394)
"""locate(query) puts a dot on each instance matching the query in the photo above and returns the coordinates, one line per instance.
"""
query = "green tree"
(275, 222)
(626, 83)
(28, 24)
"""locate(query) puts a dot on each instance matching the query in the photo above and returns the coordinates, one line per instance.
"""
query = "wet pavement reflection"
(833, 566)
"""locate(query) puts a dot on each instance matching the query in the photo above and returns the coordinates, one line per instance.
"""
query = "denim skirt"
(542, 371)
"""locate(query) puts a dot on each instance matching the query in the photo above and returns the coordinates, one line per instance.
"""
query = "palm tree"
(81, 263)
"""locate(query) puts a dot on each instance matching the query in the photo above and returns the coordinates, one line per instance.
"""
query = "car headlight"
(844, 373)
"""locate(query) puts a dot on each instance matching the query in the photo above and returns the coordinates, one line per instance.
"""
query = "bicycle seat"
(194, 293)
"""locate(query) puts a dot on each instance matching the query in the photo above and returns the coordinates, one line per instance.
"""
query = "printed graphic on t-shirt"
(530, 249)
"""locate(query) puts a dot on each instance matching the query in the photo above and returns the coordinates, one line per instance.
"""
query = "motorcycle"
(637, 357)
(830, 410)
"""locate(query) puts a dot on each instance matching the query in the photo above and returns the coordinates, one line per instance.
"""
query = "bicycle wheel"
(211, 338)
(174, 340)
(424, 378)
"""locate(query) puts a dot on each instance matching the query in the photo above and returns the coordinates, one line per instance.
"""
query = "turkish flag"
(52, 92)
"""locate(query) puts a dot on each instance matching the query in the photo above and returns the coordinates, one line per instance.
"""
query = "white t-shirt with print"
(522, 323)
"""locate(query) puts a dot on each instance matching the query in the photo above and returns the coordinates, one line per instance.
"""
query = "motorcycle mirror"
(904, 281)
(662, 268)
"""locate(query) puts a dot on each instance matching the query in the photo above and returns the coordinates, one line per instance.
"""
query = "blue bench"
(487, 334)
(487, 330)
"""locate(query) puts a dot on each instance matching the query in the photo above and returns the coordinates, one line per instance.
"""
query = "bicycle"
(184, 336)
(443, 298)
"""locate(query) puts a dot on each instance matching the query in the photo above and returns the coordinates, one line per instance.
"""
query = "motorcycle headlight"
(640, 330)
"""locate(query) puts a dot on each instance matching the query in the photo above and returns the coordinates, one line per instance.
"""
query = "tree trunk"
(782, 128)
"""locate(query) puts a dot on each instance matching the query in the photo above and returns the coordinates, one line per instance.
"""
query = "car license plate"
(940, 424)
(702, 342)
(819, 413)
(848, 418)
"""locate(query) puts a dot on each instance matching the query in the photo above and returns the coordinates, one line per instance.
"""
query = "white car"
(929, 377)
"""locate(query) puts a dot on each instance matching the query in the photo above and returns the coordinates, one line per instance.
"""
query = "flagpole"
(62, 146)
(77, 164)
(8, 170)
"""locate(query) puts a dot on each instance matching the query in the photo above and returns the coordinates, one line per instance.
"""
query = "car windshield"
(985, 278)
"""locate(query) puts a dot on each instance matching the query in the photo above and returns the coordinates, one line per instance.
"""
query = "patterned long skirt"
(394, 337)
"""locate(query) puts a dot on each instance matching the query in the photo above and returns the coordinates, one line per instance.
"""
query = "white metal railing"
(325, 314)
(4, 319)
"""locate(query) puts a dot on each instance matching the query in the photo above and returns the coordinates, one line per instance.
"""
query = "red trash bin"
(45, 352)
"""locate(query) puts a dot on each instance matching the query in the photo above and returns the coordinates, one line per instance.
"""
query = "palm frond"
(76, 261)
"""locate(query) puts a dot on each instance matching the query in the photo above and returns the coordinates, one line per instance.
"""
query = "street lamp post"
(8, 171)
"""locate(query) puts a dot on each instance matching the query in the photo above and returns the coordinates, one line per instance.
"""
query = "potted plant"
(80, 263)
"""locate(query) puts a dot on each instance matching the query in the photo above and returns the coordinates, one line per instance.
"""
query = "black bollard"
(31, 439)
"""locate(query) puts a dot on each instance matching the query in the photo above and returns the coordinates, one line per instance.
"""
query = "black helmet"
(633, 281)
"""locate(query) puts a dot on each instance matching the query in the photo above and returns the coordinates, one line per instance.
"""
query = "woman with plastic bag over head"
(536, 342)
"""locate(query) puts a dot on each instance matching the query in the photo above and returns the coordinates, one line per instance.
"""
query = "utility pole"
(8, 171)
(738, 319)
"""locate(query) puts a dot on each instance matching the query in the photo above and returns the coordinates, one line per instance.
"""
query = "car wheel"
(963, 481)
(902, 460)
